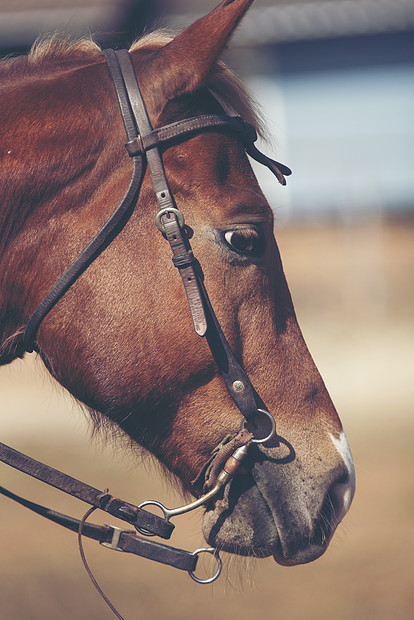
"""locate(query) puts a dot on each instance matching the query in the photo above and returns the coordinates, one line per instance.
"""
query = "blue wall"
(344, 121)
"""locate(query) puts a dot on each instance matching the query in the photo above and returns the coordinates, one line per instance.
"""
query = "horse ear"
(186, 61)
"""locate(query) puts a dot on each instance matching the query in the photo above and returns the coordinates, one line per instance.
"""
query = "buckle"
(160, 214)
(116, 534)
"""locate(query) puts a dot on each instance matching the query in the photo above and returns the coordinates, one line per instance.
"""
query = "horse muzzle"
(278, 509)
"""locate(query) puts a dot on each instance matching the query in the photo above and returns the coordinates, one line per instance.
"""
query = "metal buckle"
(116, 534)
(160, 214)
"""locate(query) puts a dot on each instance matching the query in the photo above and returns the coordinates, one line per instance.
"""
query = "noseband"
(142, 145)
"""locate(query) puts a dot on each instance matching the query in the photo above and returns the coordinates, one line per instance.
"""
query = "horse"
(121, 338)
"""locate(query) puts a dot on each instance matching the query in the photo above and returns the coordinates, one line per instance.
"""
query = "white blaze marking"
(348, 489)
(342, 445)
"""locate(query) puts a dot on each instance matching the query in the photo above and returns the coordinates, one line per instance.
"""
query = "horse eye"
(245, 241)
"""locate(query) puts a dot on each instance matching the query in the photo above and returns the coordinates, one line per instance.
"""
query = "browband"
(198, 124)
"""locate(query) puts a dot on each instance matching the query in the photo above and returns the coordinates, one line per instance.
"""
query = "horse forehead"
(226, 202)
(213, 154)
(213, 170)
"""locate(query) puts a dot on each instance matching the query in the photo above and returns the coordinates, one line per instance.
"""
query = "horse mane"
(58, 53)
(49, 52)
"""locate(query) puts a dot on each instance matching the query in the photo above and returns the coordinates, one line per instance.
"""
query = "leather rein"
(142, 145)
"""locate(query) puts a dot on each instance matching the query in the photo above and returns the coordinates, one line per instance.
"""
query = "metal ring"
(165, 512)
(272, 430)
(160, 214)
(219, 565)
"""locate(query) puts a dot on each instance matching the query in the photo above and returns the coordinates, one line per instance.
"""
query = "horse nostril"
(340, 497)
(336, 505)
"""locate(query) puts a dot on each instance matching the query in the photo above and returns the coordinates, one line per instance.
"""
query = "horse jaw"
(271, 512)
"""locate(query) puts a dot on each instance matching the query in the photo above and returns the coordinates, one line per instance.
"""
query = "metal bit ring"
(164, 510)
(216, 575)
(272, 429)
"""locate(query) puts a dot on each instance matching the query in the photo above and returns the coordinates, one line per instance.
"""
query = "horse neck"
(54, 134)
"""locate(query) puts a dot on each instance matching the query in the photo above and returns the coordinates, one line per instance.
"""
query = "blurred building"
(335, 78)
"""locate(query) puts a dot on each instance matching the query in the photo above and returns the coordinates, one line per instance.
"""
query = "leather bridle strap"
(207, 122)
(205, 321)
(100, 499)
(113, 537)
(102, 239)
(163, 194)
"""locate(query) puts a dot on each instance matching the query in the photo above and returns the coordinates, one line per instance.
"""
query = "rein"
(142, 145)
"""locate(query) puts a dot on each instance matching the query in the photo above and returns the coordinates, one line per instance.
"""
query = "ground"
(352, 286)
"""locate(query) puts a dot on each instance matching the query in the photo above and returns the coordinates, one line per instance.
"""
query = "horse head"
(121, 339)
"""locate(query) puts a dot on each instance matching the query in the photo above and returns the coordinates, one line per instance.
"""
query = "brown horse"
(121, 339)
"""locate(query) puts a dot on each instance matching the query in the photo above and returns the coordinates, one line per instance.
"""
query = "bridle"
(142, 145)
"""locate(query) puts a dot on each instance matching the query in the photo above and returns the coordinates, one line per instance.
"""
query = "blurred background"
(335, 81)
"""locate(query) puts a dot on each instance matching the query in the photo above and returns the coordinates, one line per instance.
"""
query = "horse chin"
(301, 557)
(240, 522)
(245, 523)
